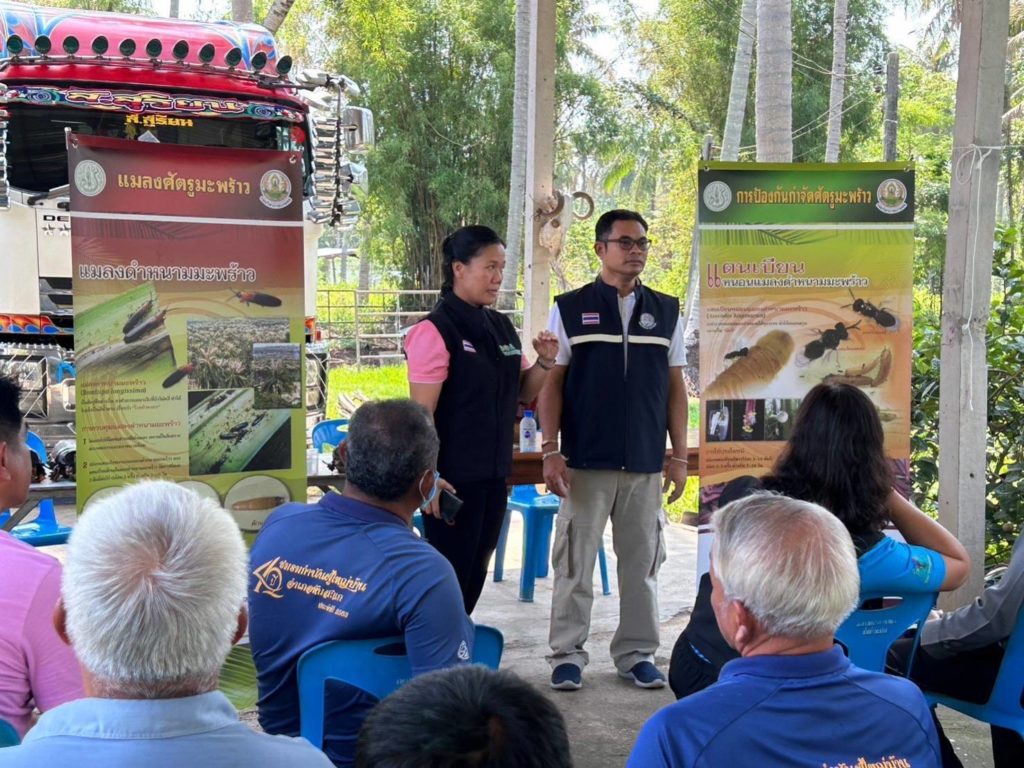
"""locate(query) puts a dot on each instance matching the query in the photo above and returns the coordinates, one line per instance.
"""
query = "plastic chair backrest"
(377, 667)
(328, 432)
(1009, 686)
(35, 443)
(868, 633)
(8, 736)
(1004, 706)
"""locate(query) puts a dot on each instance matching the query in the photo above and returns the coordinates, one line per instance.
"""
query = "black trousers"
(969, 675)
(470, 542)
(687, 672)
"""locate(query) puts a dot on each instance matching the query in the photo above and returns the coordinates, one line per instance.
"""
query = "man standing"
(350, 567)
(37, 670)
(615, 390)
(153, 597)
(783, 577)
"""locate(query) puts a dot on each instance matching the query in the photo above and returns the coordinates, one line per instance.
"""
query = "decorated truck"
(145, 79)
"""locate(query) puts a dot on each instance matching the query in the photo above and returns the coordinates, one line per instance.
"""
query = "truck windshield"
(37, 160)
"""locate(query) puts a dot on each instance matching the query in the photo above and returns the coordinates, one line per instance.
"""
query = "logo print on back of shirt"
(463, 651)
(269, 579)
(468, 346)
(590, 318)
(647, 321)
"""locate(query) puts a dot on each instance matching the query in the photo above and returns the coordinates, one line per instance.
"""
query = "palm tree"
(277, 14)
(517, 179)
(773, 103)
(241, 11)
(740, 82)
(835, 96)
(734, 118)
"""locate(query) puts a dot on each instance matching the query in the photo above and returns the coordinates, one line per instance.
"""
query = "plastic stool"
(538, 511)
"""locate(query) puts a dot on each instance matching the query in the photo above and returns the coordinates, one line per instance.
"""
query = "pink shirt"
(428, 356)
(37, 669)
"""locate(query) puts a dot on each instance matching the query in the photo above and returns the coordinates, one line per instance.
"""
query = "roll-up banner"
(806, 277)
(189, 321)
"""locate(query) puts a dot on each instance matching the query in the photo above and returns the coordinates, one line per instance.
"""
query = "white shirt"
(676, 350)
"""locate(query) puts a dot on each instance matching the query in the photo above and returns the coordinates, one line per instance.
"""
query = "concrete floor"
(604, 717)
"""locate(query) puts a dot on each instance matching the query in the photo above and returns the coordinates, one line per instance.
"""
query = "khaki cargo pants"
(633, 501)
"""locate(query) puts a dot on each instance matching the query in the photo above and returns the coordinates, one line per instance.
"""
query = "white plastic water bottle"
(528, 440)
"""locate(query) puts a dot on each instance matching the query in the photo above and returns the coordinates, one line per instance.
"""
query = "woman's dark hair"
(835, 458)
(462, 245)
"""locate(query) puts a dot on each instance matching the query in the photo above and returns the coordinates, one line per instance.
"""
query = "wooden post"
(892, 97)
(967, 284)
(540, 159)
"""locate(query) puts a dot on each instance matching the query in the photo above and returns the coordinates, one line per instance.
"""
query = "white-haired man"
(784, 576)
(153, 596)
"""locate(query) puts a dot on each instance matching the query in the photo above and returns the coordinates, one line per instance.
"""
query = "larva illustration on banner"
(806, 277)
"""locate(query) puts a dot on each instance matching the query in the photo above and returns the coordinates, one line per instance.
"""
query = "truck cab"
(144, 79)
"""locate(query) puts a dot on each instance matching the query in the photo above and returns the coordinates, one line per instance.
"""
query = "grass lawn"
(387, 381)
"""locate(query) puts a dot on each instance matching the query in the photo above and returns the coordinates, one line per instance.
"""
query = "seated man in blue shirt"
(153, 597)
(784, 576)
(350, 567)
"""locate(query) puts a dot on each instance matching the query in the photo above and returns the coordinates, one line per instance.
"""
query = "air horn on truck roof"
(42, 49)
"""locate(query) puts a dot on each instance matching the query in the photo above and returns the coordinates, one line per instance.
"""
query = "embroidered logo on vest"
(647, 321)
(510, 350)
(590, 318)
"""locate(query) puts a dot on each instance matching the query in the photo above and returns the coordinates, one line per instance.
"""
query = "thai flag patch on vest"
(590, 318)
(468, 346)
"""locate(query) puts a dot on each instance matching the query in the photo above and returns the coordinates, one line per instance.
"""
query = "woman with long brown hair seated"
(835, 458)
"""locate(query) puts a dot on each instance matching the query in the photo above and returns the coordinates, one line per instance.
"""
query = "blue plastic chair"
(8, 736)
(868, 632)
(328, 432)
(1004, 707)
(43, 530)
(538, 511)
(377, 667)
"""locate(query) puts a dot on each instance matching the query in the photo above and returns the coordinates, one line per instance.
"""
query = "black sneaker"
(644, 675)
(568, 677)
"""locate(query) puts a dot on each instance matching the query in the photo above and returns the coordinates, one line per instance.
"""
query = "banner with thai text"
(806, 277)
(189, 327)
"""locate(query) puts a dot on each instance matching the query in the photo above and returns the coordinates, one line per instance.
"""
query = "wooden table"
(58, 490)
(528, 468)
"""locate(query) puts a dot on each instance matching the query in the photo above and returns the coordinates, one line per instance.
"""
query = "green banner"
(806, 277)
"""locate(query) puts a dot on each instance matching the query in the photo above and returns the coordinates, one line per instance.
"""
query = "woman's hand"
(545, 344)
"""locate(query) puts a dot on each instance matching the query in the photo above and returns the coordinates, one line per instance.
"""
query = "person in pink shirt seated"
(467, 367)
(37, 670)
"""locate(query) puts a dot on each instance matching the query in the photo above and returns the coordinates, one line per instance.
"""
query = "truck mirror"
(358, 123)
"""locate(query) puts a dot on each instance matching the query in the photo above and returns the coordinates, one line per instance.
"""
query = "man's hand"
(556, 475)
(675, 479)
(434, 507)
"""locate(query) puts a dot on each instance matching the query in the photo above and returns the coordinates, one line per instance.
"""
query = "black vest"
(476, 411)
(615, 400)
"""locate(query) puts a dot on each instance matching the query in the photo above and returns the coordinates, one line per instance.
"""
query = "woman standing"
(467, 367)
(835, 458)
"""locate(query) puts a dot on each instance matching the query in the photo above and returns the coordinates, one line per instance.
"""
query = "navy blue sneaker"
(644, 675)
(568, 677)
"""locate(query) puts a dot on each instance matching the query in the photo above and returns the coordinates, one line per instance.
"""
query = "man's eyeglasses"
(627, 243)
